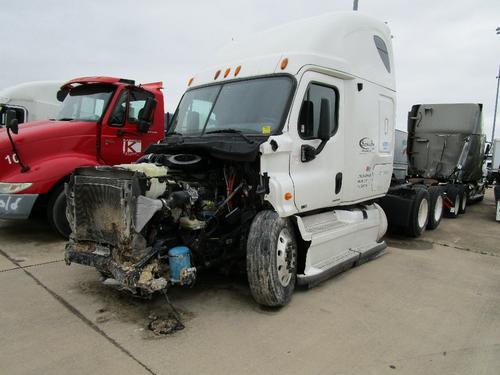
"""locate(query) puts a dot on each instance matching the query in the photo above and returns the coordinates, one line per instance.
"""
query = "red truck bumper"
(16, 206)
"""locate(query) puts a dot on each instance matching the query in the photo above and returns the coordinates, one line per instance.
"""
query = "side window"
(382, 51)
(136, 104)
(310, 111)
(118, 115)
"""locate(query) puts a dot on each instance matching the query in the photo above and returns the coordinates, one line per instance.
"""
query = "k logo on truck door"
(132, 146)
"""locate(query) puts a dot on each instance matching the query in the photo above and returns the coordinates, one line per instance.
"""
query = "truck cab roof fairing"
(343, 41)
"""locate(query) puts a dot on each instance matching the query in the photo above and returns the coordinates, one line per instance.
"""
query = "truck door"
(121, 141)
(317, 182)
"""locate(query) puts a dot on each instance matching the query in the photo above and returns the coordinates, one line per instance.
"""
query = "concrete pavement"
(428, 306)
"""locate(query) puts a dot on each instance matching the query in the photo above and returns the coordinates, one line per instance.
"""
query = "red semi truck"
(102, 121)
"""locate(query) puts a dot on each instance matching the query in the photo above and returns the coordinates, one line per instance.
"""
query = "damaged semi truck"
(444, 149)
(272, 164)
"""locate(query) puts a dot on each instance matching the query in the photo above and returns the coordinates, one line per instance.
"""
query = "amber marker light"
(217, 74)
(288, 196)
(237, 70)
(190, 81)
(284, 63)
(226, 73)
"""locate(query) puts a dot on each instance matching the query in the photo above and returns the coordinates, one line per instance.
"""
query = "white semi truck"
(31, 101)
(272, 164)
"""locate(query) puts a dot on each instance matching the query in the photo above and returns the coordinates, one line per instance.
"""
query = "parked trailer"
(272, 163)
(31, 101)
(445, 147)
(494, 162)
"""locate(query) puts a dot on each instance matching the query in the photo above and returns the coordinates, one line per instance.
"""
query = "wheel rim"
(438, 208)
(423, 212)
(464, 201)
(457, 204)
(284, 258)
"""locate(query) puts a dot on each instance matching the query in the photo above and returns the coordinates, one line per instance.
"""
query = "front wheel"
(56, 212)
(271, 259)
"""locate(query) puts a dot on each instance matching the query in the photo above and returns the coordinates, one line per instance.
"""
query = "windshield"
(85, 103)
(254, 106)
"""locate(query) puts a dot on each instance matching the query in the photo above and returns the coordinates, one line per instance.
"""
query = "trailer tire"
(463, 199)
(271, 259)
(56, 212)
(435, 207)
(419, 214)
(453, 194)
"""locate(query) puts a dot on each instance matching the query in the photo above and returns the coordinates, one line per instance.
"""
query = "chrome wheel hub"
(423, 213)
(284, 257)
(438, 208)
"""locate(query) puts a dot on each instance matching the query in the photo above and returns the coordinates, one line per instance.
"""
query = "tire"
(271, 259)
(56, 212)
(435, 207)
(463, 200)
(453, 194)
(496, 192)
(419, 214)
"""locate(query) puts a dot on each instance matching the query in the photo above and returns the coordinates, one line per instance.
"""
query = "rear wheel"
(271, 259)
(419, 214)
(436, 207)
(56, 212)
(454, 197)
(463, 200)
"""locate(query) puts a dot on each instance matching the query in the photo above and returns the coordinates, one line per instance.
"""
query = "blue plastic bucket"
(179, 258)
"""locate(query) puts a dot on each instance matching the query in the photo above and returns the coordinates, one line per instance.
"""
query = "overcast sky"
(445, 50)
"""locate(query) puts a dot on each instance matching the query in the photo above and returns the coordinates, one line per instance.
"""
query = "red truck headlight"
(13, 187)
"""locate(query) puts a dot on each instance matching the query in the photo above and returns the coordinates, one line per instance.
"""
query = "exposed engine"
(145, 226)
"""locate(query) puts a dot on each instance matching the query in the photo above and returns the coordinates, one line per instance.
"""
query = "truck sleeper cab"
(31, 101)
(102, 121)
(271, 164)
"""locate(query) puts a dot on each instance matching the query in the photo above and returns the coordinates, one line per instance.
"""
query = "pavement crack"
(480, 252)
(72, 309)
(19, 267)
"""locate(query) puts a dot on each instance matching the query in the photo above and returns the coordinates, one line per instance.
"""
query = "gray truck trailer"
(444, 150)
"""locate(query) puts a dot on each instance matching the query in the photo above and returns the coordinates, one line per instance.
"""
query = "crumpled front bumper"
(16, 206)
(135, 278)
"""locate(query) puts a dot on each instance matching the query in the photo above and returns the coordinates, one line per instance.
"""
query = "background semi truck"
(102, 120)
(444, 148)
(31, 101)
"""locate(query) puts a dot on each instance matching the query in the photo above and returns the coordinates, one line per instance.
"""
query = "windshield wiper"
(231, 130)
(65, 119)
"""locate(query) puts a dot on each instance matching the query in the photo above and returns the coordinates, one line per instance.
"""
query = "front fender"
(45, 173)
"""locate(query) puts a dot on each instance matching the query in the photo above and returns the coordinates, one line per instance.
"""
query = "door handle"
(109, 142)
(338, 182)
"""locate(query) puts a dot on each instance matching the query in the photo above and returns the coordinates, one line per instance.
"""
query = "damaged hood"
(225, 147)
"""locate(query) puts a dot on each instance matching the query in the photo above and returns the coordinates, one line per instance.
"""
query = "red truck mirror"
(146, 115)
(11, 121)
(61, 95)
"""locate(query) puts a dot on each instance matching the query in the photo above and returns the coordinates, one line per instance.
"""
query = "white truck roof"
(347, 42)
(36, 91)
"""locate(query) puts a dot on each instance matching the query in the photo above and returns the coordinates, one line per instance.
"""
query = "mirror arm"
(24, 168)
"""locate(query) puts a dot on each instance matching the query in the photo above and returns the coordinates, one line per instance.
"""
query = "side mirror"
(168, 120)
(61, 95)
(146, 115)
(324, 120)
(11, 121)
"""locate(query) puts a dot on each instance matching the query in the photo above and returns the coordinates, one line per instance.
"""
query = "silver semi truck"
(444, 149)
